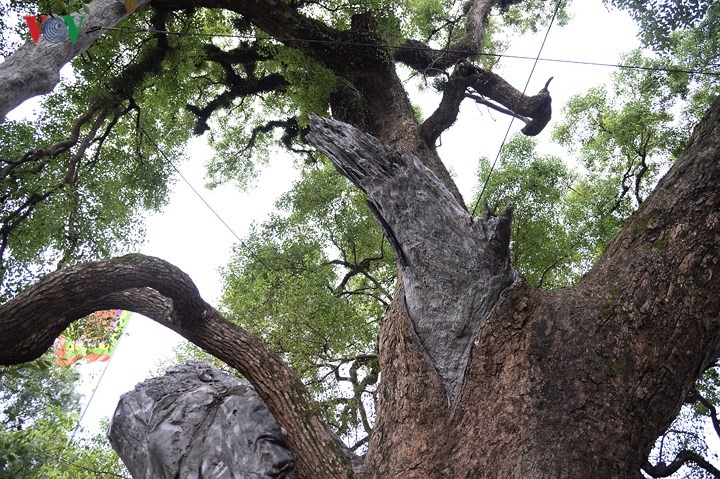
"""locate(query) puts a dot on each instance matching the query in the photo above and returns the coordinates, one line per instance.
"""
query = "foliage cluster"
(313, 281)
(38, 418)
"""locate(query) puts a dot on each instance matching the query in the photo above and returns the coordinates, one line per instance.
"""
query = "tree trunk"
(484, 380)
(482, 375)
(572, 383)
(34, 69)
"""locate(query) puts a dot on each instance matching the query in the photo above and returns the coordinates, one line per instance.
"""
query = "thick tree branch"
(35, 69)
(536, 108)
(535, 111)
(683, 457)
(418, 56)
(625, 344)
(31, 321)
(477, 13)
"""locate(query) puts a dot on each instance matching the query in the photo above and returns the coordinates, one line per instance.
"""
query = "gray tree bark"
(452, 266)
(35, 69)
(482, 375)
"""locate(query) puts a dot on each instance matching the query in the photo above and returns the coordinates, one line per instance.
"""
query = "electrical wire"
(512, 118)
(535, 60)
(197, 193)
(415, 48)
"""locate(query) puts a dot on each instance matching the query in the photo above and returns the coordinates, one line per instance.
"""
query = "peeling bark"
(468, 271)
(35, 69)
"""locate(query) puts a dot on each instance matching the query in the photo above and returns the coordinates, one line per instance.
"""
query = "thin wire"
(512, 118)
(614, 65)
(197, 193)
(536, 59)
(415, 48)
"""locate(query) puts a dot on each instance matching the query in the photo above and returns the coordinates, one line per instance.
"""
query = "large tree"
(482, 374)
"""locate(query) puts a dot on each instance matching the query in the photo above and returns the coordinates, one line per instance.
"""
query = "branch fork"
(490, 89)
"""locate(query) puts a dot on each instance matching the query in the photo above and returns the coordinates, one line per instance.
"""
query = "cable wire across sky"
(535, 59)
(512, 117)
(200, 196)
(418, 48)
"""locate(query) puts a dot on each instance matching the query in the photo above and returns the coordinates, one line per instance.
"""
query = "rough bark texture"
(198, 422)
(453, 268)
(557, 384)
(35, 69)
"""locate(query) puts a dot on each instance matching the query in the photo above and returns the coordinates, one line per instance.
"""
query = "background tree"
(39, 416)
(313, 282)
(465, 345)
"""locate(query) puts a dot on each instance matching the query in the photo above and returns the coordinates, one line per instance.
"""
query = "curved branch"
(535, 110)
(683, 457)
(420, 57)
(30, 322)
(695, 395)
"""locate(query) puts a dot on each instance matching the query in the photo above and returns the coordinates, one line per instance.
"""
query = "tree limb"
(418, 212)
(696, 396)
(35, 69)
(238, 86)
(535, 111)
(420, 57)
(31, 321)
(683, 457)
